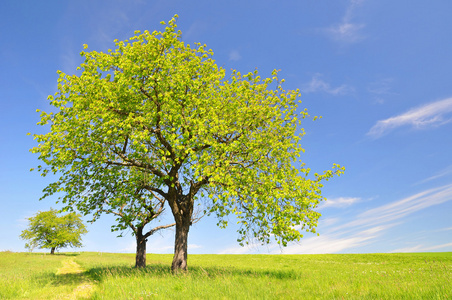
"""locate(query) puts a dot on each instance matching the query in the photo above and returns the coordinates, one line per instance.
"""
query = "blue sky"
(379, 72)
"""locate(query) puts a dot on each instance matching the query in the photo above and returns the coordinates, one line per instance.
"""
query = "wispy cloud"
(238, 250)
(105, 25)
(194, 246)
(332, 243)
(434, 114)
(396, 210)
(326, 222)
(371, 224)
(234, 55)
(196, 29)
(254, 246)
(347, 31)
(69, 60)
(381, 89)
(22, 223)
(129, 248)
(365, 228)
(381, 86)
(422, 248)
(110, 24)
(440, 174)
(340, 202)
(166, 249)
(317, 84)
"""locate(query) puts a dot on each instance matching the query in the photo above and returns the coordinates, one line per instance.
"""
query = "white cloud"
(326, 243)
(158, 245)
(237, 249)
(326, 222)
(440, 174)
(196, 29)
(161, 249)
(398, 209)
(330, 244)
(380, 89)
(130, 248)
(422, 248)
(371, 224)
(110, 23)
(433, 114)
(234, 55)
(23, 222)
(69, 62)
(365, 229)
(193, 246)
(318, 85)
(347, 31)
(340, 202)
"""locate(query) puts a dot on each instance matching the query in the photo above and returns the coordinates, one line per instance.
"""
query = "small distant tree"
(49, 230)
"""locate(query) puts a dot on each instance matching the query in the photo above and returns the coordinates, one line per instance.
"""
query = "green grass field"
(341, 276)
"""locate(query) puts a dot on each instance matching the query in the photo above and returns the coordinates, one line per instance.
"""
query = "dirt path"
(84, 289)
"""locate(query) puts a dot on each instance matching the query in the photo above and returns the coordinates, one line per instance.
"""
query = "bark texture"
(182, 209)
(180, 247)
(52, 251)
(140, 258)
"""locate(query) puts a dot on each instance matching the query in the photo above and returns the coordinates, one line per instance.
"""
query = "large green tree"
(160, 107)
(47, 229)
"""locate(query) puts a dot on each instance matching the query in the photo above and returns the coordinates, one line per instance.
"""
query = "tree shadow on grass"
(53, 255)
(161, 270)
(70, 279)
(67, 254)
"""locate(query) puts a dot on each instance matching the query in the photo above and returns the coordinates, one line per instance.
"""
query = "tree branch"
(134, 163)
(159, 191)
(154, 230)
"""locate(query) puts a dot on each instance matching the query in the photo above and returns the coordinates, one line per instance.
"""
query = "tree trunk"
(180, 246)
(140, 258)
(52, 251)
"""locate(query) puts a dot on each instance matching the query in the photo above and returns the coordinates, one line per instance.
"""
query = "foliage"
(49, 230)
(158, 115)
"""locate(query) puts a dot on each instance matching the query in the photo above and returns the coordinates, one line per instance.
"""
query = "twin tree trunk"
(180, 246)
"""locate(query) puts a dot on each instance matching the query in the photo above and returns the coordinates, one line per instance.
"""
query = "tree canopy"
(158, 114)
(49, 230)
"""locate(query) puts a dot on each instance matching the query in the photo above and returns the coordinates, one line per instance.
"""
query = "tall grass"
(356, 276)
(351, 276)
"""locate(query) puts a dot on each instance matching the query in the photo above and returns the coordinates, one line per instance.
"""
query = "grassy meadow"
(91, 275)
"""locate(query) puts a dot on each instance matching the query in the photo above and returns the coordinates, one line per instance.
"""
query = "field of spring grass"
(340, 276)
